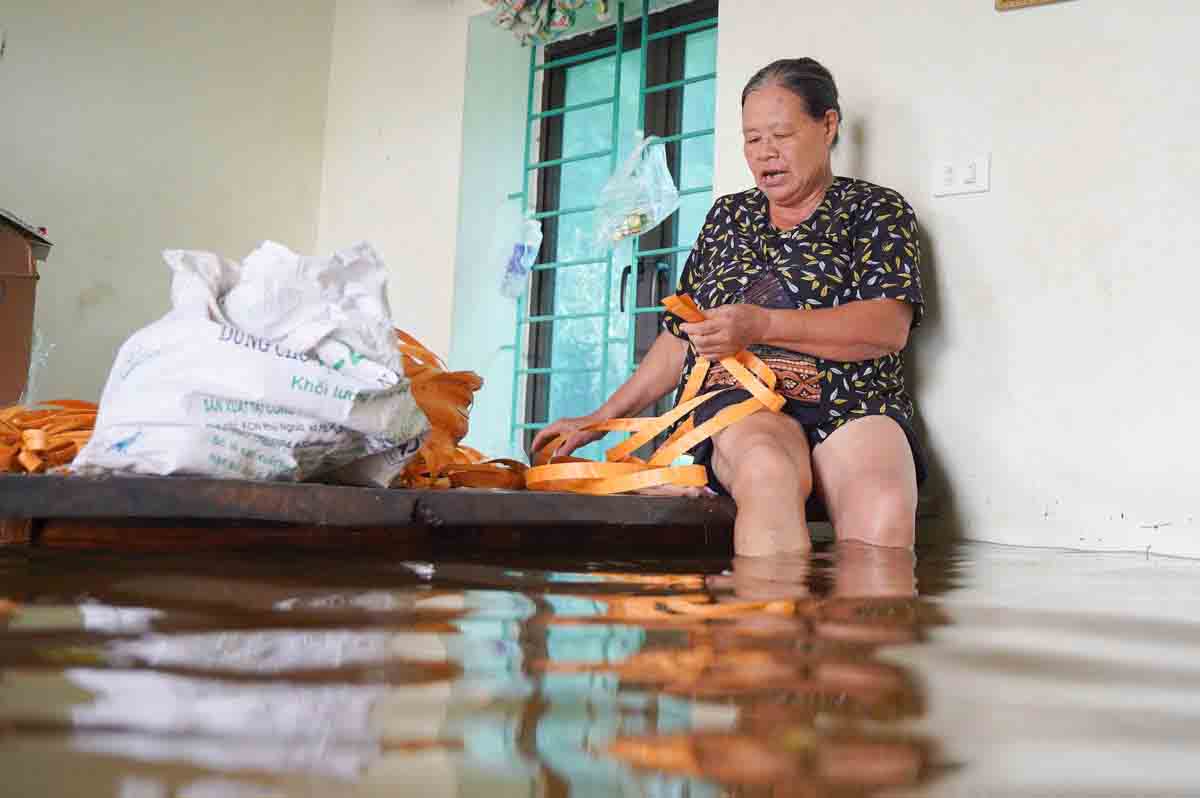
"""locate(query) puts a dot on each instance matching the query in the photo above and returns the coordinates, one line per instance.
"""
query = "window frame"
(660, 39)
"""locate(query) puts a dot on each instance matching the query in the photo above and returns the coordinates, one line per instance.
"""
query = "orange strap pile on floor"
(623, 472)
(446, 398)
(33, 440)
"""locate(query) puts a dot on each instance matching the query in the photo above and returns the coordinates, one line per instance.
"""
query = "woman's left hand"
(727, 330)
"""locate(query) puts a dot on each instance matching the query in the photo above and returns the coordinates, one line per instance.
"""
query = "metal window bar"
(691, 27)
(562, 317)
(571, 60)
(518, 328)
(644, 93)
(631, 324)
(587, 156)
(556, 370)
(566, 264)
(678, 84)
(568, 109)
(650, 253)
(694, 134)
(563, 212)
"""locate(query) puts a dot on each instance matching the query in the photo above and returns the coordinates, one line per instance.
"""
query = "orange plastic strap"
(601, 479)
(623, 472)
(494, 474)
(727, 417)
(646, 429)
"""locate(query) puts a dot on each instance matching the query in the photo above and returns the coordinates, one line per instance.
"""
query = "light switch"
(944, 179)
(970, 175)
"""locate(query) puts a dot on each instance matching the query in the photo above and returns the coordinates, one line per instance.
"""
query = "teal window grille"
(589, 317)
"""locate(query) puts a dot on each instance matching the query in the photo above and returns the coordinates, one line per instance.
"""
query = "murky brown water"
(975, 671)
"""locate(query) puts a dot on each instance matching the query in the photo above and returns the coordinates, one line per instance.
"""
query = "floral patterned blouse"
(860, 243)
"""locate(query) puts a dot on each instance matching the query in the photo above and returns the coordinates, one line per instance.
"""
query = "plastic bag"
(638, 197)
(282, 367)
(516, 242)
(39, 355)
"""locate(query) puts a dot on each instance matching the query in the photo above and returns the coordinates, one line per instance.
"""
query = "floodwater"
(974, 670)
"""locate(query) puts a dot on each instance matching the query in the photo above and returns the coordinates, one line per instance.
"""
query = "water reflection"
(787, 646)
(214, 677)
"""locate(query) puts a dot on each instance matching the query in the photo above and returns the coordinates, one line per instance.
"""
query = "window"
(591, 316)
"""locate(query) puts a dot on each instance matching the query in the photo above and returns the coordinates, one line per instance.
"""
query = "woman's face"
(786, 149)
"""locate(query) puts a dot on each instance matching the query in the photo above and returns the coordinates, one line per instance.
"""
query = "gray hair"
(804, 77)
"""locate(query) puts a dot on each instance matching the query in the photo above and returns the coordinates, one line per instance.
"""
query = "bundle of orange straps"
(623, 472)
(446, 397)
(33, 440)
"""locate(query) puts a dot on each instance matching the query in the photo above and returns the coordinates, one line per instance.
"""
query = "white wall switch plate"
(970, 175)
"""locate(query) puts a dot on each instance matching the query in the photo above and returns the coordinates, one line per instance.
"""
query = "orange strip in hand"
(623, 472)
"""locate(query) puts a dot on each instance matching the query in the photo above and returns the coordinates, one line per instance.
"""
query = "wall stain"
(95, 295)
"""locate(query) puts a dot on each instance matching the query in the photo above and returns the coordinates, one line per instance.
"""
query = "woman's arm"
(860, 330)
(655, 377)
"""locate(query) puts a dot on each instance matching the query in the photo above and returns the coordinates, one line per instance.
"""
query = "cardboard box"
(21, 247)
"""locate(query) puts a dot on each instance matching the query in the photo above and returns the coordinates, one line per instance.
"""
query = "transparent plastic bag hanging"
(638, 197)
(516, 242)
(40, 350)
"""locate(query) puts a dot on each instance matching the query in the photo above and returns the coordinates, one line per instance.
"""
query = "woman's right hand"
(573, 429)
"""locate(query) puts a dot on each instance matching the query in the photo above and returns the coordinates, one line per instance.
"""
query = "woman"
(818, 276)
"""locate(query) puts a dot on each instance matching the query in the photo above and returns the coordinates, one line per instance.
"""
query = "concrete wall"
(393, 148)
(1055, 374)
(133, 127)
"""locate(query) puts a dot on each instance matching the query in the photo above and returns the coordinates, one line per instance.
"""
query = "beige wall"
(1057, 375)
(393, 148)
(133, 127)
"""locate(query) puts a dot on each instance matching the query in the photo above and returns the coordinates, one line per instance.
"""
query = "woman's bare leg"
(866, 477)
(763, 461)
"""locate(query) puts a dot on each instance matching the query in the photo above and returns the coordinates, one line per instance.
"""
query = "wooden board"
(179, 498)
(177, 513)
(147, 535)
(36, 496)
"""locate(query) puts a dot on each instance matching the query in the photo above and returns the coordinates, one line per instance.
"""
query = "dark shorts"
(817, 427)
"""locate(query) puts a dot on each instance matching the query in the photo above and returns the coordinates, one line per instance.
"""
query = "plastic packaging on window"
(516, 242)
(639, 196)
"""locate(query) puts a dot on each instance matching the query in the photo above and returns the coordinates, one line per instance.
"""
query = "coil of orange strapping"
(623, 472)
(33, 440)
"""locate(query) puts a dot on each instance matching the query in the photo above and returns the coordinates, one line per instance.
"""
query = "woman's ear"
(833, 121)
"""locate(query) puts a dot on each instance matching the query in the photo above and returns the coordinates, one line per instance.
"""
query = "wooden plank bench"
(156, 513)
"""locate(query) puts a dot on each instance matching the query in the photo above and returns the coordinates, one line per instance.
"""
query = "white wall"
(393, 148)
(1056, 373)
(133, 127)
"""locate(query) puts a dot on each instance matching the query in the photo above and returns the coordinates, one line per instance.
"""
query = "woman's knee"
(884, 515)
(759, 462)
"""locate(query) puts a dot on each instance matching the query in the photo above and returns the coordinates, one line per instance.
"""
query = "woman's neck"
(796, 212)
